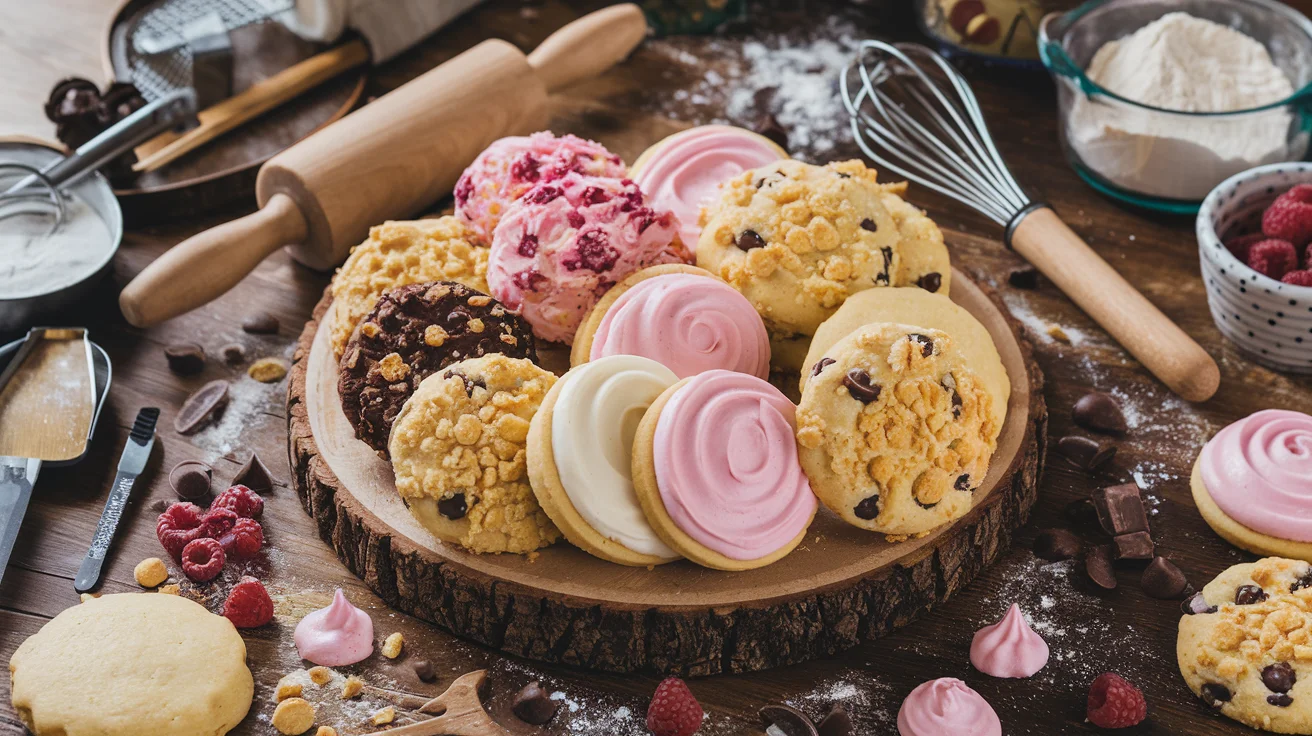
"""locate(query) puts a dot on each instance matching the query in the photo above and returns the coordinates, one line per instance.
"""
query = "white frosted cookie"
(579, 457)
(133, 664)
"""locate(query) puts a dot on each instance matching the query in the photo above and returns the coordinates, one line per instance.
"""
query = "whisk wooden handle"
(1141, 328)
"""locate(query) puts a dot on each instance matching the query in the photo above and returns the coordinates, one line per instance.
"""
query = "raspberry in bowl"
(1254, 236)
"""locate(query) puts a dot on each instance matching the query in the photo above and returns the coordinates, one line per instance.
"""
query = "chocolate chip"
(233, 354)
(185, 359)
(868, 508)
(1055, 545)
(453, 507)
(1120, 509)
(534, 705)
(768, 125)
(820, 365)
(254, 474)
(190, 480)
(424, 670)
(1280, 700)
(1133, 546)
(930, 282)
(1247, 595)
(861, 387)
(202, 407)
(1085, 453)
(1099, 412)
(869, 224)
(1025, 277)
(749, 239)
(788, 720)
(1098, 565)
(261, 323)
(836, 723)
(883, 276)
(1279, 677)
(963, 482)
(926, 344)
(1164, 581)
(1303, 582)
(1195, 605)
(1215, 694)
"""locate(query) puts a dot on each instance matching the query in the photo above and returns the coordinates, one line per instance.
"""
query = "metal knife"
(135, 454)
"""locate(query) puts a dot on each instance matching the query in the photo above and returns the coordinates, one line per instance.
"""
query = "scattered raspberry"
(1298, 278)
(178, 525)
(1240, 244)
(1272, 257)
(1290, 216)
(673, 710)
(1115, 703)
(244, 501)
(202, 559)
(248, 605)
(244, 540)
(216, 522)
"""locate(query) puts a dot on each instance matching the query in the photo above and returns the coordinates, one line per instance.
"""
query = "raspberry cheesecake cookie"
(580, 457)
(400, 253)
(1245, 645)
(715, 468)
(458, 448)
(680, 316)
(1252, 483)
(564, 243)
(413, 332)
(895, 429)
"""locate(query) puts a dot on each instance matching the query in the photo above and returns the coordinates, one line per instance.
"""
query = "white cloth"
(388, 26)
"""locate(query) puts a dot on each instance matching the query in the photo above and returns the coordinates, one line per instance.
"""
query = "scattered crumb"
(392, 645)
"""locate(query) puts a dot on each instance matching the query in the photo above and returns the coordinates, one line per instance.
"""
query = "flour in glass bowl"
(32, 262)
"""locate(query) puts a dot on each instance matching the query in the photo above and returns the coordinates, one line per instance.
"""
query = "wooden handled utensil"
(388, 159)
(458, 712)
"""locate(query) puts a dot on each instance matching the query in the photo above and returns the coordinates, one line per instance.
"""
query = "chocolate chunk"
(1120, 509)
(926, 343)
(453, 507)
(255, 475)
(190, 480)
(1055, 545)
(869, 224)
(1247, 595)
(1279, 677)
(1195, 605)
(1025, 277)
(861, 387)
(749, 239)
(1280, 700)
(768, 125)
(963, 482)
(261, 323)
(820, 365)
(1303, 582)
(1099, 412)
(185, 359)
(1085, 453)
(233, 353)
(868, 508)
(424, 670)
(1214, 694)
(534, 705)
(1098, 565)
(788, 720)
(1164, 581)
(1133, 546)
(1082, 515)
(203, 406)
(930, 282)
(836, 723)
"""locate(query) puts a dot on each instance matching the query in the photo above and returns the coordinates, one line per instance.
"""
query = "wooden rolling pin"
(389, 159)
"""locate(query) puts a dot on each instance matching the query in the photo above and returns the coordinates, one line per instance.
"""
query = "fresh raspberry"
(1290, 216)
(673, 710)
(178, 525)
(248, 604)
(1272, 257)
(202, 559)
(1298, 278)
(244, 501)
(1115, 703)
(1240, 244)
(216, 522)
(244, 540)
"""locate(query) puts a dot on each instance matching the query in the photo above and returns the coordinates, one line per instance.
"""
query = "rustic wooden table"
(787, 65)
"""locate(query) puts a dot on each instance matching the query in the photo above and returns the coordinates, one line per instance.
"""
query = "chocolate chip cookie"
(413, 332)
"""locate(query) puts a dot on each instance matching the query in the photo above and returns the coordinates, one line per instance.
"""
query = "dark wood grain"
(1090, 632)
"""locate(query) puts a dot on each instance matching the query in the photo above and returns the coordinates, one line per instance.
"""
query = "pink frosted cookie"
(716, 472)
(1009, 648)
(511, 166)
(564, 243)
(683, 172)
(947, 707)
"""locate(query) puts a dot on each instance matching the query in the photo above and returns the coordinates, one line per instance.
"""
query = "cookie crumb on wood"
(392, 645)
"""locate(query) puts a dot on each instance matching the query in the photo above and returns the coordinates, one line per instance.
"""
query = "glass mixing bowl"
(1162, 159)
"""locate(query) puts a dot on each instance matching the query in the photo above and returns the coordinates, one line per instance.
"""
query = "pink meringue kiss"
(338, 635)
(947, 707)
(1259, 472)
(1009, 648)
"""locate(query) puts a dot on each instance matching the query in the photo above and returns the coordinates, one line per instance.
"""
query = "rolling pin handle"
(205, 266)
(588, 46)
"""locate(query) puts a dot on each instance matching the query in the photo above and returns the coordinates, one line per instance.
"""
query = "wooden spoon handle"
(1141, 328)
(588, 46)
(205, 266)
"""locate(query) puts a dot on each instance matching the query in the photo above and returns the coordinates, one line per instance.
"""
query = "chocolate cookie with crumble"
(413, 332)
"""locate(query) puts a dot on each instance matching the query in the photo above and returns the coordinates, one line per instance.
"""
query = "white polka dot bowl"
(1269, 320)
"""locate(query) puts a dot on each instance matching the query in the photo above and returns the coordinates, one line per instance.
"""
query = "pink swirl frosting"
(1009, 648)
(338, 635)
(684, 171)
(688, 323)
(726, 465)
(947, 707)
(1259, 472)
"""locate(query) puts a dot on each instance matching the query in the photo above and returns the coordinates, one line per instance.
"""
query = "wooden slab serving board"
(841, 586)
